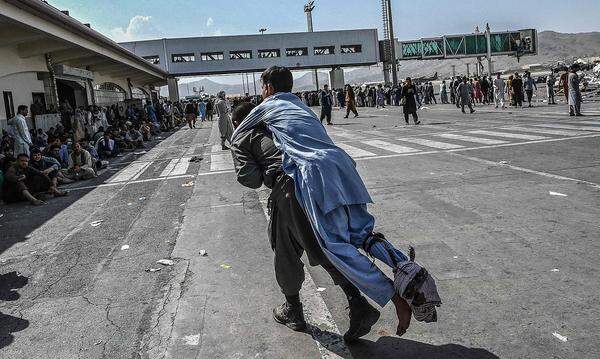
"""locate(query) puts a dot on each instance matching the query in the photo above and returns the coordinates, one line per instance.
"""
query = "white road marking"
(569, 127)
(167, 171)
(318, 315)
(485, 141)
(113, 184)
(590, 122)
(527, 170)
(430, 143)
(142, 170)
(508, 135)
(349, 135)
(181, 167)
(547, 131)
(355, 152)
(476, 148)
(129, 172)
(221, 161)
(216, 148)
(392, 147)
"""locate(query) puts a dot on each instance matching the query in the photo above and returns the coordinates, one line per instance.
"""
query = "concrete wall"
(22, 85)
(367, 38)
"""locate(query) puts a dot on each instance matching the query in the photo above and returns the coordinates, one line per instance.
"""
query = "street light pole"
(308, 8)
(262, 30)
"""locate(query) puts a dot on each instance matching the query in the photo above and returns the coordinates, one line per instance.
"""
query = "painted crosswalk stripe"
(569, 127)
(130, 171)
(170, 166)
(590, 122)
(484, 141)
(142, 170)
(221, 161)
(181, 167)
(216, 148)
(392, 147)
(547, 131)
(355, 152)
(431, 143)
(508, 135)
(345, 134)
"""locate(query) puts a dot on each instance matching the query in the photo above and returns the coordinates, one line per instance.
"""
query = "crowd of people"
(461, 91)
(34, 162)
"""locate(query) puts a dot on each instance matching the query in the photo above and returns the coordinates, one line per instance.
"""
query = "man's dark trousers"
(326, 114)
(291, 234)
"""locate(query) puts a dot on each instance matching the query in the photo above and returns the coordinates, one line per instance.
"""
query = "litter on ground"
(188, 184)
(555, 270)
(558, 194)
(225, 266)
(139, 153)
(165, 262)
(320, 289)
(96, 223)
(152, 270)
(124, 247)
(142, 199)
(560, 337)
(196, 159)
(503, 162)
(203, 253)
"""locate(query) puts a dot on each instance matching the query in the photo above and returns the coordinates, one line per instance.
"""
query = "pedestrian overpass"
(476, 45)
(218, 55)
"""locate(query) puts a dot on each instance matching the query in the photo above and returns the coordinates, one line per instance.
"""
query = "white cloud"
(210, 22)
(140, 27)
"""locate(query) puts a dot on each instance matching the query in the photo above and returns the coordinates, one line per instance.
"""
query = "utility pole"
(308, 8)
(388, 27)
(488, 38)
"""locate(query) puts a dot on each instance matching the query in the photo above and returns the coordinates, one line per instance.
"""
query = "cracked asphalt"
(515, 264)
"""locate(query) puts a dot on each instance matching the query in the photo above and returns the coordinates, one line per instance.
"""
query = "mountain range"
(552, 48)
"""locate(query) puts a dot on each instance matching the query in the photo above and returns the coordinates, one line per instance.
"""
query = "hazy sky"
(125, 20)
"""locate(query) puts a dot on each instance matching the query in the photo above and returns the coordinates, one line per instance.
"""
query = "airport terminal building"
(46, 56)
(50, 58)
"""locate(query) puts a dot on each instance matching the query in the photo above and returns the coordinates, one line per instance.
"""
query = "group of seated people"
(54, 160)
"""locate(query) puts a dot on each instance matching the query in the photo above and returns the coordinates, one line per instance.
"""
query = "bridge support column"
(173, 89)
(336, 78)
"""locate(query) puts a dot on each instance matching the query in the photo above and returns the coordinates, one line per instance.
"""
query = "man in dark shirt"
(257, 162)
(22, 182)
(326, 104)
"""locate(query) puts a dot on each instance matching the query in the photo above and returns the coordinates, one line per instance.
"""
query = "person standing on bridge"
(225, 126)
(332, 200)
(325, 101)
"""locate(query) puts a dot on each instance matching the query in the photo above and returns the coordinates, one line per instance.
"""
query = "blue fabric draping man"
(330, 190)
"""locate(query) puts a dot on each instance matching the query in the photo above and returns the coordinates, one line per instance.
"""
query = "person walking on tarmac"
(282, 145)
(326, 104)
(350, 102)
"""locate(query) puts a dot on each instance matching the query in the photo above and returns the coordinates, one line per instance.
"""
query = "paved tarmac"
(502, 207)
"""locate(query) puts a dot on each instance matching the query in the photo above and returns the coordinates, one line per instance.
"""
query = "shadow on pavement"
(393, 347)
(9, 324)
(21, 219)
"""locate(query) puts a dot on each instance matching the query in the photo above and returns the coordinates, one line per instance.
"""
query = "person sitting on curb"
(23, 183)
(81, 165)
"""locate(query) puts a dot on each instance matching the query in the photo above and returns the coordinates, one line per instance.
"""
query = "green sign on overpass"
(515, 43)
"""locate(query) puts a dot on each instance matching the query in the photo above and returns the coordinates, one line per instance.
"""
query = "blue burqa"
(329, 189)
